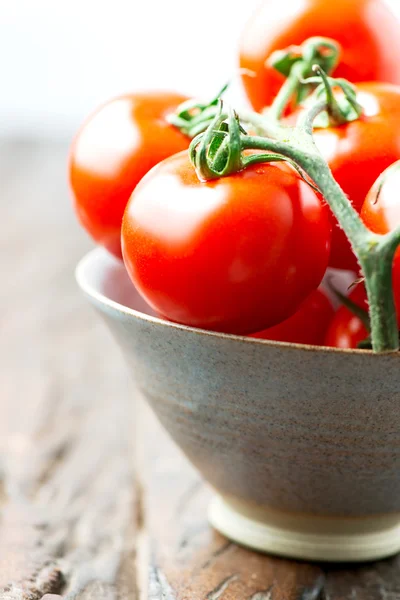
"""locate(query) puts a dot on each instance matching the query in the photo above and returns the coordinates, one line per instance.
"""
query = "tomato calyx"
(296, 63)
(193, 116)
(222, 150)
(217, 152)
(339, 109)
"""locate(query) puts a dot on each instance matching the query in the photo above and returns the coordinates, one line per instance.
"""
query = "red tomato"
(381, 214)
(346, 329)
(359, 151)
(366, 29)
(118, 144)
(307, 326)
(236, 254)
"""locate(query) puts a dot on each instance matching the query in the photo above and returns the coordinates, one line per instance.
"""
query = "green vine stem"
(354, 308)
(297, 66)
(193, 117)
(375, 252)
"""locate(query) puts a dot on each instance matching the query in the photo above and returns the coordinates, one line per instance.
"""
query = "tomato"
(366, 29)
(236, 254)
(346, 329)
(381, 213)
(359, 151)
(307, 326)
(116, 146)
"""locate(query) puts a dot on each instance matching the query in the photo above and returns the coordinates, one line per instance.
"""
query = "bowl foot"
(318, 538)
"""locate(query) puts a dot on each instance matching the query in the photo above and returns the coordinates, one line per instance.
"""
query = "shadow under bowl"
(301, 443)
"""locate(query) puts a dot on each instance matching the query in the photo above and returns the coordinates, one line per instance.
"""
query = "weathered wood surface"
(83, 515)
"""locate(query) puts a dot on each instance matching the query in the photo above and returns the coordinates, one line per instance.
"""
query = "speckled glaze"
(287, 427)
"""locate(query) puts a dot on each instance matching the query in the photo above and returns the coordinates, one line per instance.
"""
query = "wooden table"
(96, 501)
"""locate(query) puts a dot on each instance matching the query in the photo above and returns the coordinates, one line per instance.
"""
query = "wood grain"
(96, 502)
(66, 451)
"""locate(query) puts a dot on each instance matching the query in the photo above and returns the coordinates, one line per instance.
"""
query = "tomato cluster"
(246, 253)
(366, 30)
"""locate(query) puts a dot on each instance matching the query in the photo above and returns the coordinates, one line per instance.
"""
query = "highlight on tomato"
(236, 254)
(368, 32)
(116, 146)
(381, 213)
(307, 326)
(347, 330)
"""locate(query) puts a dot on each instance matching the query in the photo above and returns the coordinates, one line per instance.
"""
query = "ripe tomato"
(307, 326)
(236, 254)
(381, 213)
(359, 151)
(116, 146)
(346, 329)
(366, 29)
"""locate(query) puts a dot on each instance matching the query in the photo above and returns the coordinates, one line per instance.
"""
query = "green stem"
(312, 163)
(354, 308)
(218, 152)
(287, 91)
(316, 51)
(263, 125)
(306, 120)
(374, 252)
(333, 109)
(377, 269)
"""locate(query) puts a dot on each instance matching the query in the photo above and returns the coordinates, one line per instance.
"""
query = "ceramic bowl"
(301, 444)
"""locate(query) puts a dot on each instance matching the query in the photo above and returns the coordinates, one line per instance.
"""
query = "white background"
(61, 58)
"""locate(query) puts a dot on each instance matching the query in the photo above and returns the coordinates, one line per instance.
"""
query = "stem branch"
(374, 252)
(219, 152)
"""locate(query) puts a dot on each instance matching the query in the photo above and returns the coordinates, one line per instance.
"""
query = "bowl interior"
(101, 273)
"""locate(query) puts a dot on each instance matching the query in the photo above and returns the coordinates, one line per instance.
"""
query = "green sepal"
(283, 60)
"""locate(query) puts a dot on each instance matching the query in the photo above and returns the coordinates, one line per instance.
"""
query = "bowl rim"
(89, 290)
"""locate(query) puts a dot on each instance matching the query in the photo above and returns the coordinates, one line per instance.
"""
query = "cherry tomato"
(366, 29)
(236, 254)
(116, 146)
(381, 214)
(346, 329)
(359, 151)
(307, 326)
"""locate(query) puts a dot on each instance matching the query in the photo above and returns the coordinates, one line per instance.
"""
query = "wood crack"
(218, 591)
(48, 580)
(159, 587)
(316, 591)
(187, 496)
(219, 552)
(265, 595)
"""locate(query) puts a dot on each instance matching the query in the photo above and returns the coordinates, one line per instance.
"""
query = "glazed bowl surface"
(300, 443)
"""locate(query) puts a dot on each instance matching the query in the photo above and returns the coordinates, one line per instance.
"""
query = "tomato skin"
(307, 326)
(346, 330)
(236, 254)
(367, 31)
(358, 152)
(114, 149)
(381, 214)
